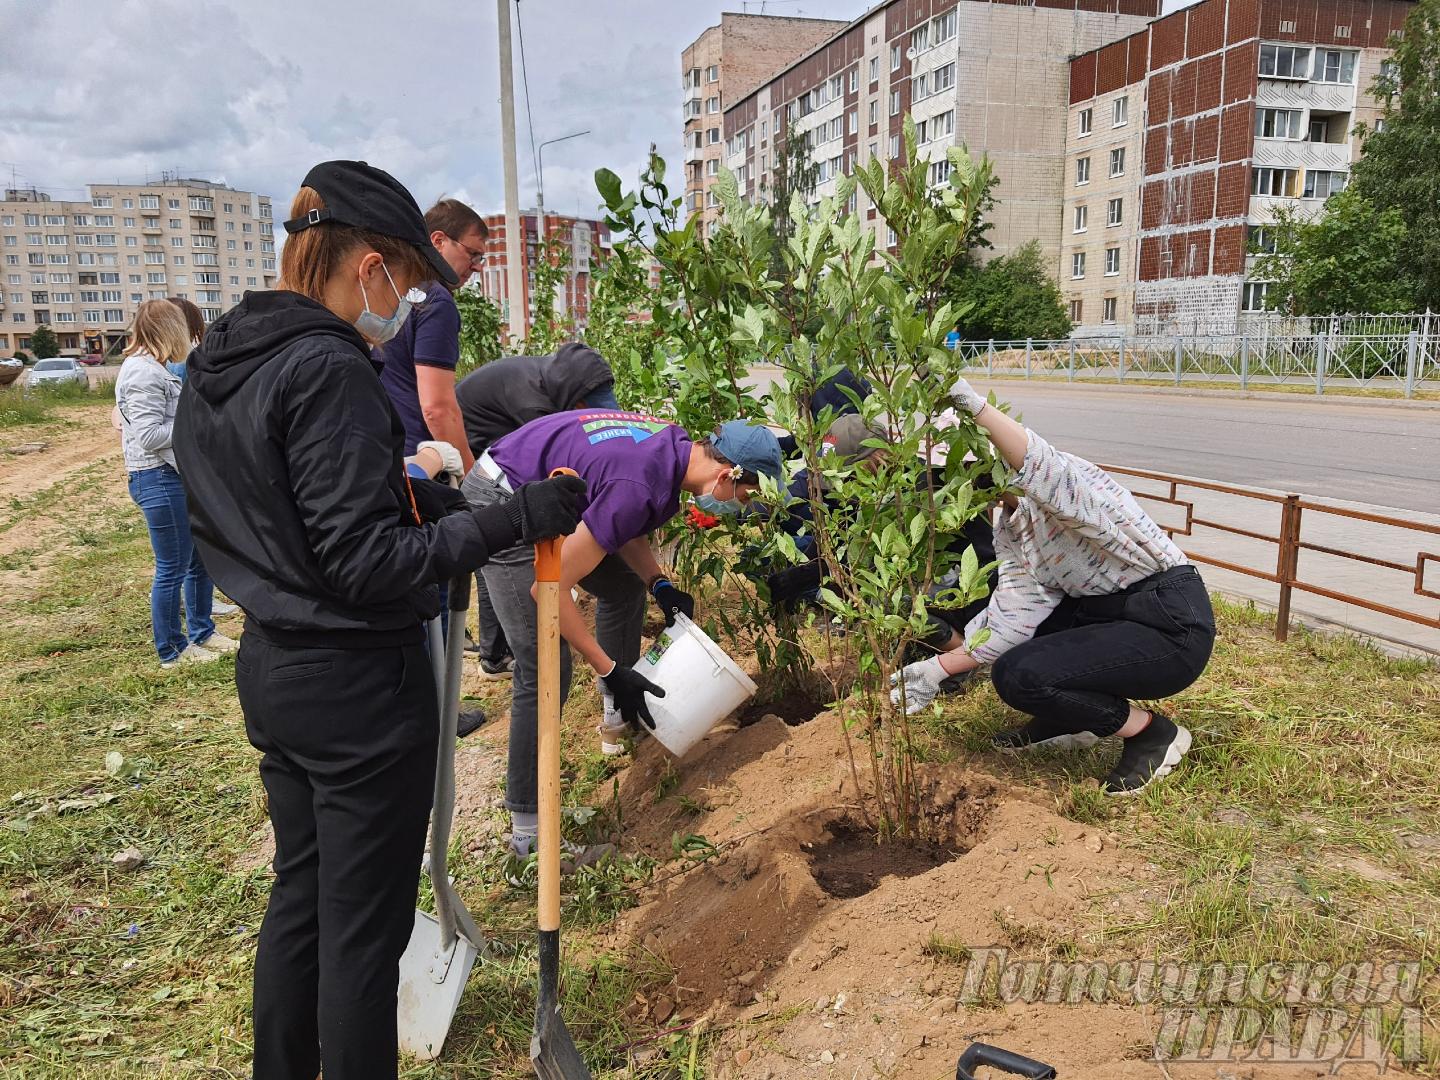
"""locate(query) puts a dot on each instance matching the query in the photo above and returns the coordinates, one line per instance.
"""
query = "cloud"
(258, 91)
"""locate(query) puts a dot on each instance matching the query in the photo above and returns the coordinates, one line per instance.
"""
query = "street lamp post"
(540, 189)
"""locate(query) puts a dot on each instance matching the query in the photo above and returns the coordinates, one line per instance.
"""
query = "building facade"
(727, 61)
(588, 241)
(990, 75)
(1245, 106)
(83, 267)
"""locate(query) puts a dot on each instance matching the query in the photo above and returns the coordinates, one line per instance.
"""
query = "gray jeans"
(619, 621)
(492, 642)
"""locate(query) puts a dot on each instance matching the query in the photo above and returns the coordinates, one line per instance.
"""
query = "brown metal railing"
(1289, 543)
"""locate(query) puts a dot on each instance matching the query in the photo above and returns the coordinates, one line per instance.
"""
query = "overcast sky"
(255, 92)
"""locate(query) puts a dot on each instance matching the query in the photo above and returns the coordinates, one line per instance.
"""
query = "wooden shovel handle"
(547, 552)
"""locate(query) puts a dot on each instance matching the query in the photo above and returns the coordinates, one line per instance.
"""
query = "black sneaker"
(469, 721)
(503, 668)
(1148, 756)
(470, 643)
(1036, 735)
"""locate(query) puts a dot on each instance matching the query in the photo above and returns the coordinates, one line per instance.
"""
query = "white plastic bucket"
(702, 685)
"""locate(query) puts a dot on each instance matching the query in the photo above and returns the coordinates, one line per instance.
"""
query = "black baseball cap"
(356, 193)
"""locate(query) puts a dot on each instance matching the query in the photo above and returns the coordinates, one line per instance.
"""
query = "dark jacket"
(505, 395)
(291, 458)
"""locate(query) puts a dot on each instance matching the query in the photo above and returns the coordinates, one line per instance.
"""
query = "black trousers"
(349, 738)
(1095, 653)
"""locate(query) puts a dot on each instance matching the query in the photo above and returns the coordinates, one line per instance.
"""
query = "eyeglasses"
(477, 258)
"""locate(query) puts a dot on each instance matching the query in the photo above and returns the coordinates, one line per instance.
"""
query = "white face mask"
(378, 329)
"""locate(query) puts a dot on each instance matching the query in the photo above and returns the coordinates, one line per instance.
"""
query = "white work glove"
(967, 397)
(450, 460)
(922, 681)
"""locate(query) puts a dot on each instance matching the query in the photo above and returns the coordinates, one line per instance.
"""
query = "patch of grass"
(951, 950)
(22, 406)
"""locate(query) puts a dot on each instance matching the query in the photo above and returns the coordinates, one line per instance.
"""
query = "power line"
(525, 80)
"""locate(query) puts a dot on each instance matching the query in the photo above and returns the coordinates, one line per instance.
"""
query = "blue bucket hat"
(751, 446)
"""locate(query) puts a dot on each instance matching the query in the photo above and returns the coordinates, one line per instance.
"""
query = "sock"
(524, 831)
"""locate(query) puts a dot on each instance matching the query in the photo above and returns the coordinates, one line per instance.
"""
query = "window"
(894, 57)
(1335, 66)
(1252, 298)
(1117, 161)
(1085, 118)
(854, 79)
(890, 237)
(127, 204)
(109, 279)
(920, 39)
(178, 241)
(1261, 239)
(178, 260)
(35, 239)
(1114, 213)
(132, 260)
(32, 221)
(894, 102)
(155, 279)
(1107, 309)
(92, 317)
(154, 258)
(104, 202)
(81, 221)
(149, 202)
(129, 223)
(173, 204)
(854, 118)
(874, 70)
(1076, 307)
(174, 223)
(712, 73)
(1277, 123)
(712, 167)
(51, 240)
(1082, 171)
(1278, 183)
(713, 136)
(943, 28)
(1112, 261)
(64, 260)
(1284, 62)
(131, 241)
(937, 127)
(1082, 218)
(111, 296)
(64, 316)
(894, 146)
(920, 86)
(61, 279)
(874, 112)
(1077, 265)
(1120, 112)
(939, 172)
(712, 105)
(114, 315)
(1320, 184)
(105, 221)
(837, 87)
(943, 78)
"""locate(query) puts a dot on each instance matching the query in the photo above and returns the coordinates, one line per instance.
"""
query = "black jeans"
(349, 738)
(1095, 653)
(493, 646)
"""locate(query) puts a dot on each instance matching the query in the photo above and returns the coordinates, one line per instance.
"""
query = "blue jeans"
(178, 569)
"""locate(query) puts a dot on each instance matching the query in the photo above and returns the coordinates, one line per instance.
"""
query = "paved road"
(1362, 453)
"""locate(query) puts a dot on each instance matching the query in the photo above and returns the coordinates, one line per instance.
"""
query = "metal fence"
(1403, 362)
(1383, 593)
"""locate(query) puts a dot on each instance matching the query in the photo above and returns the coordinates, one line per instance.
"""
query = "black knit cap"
(356, 193)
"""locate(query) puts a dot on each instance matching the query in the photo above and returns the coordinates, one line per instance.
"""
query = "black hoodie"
(505, 395)
(291, 456)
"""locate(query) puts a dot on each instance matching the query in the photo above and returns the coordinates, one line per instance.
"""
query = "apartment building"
(588, 241)
(727, 61)
(83, 267)
(991, 75)
(1232, 109)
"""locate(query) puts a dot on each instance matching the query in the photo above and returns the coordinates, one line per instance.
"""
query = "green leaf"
(608, 185)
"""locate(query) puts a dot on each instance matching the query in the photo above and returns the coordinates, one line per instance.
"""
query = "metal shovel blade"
(432, 978)
(552, 1050)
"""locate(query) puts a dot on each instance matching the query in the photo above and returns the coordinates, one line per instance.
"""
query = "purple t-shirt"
(430, 337)
(632, 465)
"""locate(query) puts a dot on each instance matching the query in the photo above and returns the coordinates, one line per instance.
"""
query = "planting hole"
(795, 707)
(850, 863)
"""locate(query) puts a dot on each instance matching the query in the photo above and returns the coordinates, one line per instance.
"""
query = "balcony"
(1298, 154)
(152, 230)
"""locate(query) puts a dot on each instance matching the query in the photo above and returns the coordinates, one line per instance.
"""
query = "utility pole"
(540, 200)
(517, 317)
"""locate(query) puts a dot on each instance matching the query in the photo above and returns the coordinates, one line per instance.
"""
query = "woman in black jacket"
(301, 508)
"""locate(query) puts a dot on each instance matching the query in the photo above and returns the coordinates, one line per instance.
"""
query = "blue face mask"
(379, 330)
(719, 507)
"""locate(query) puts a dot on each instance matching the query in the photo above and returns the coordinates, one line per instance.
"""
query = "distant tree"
(43, 342)
(1354, 257)
(1010, 298)
(21, 355)
(1399, 169)
(796, 173)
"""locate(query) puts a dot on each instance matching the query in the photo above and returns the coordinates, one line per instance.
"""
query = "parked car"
(57, 370)
(93, 359)
(10, 369)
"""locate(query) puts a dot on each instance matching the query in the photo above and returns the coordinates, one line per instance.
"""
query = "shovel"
(443, 947)
(977, 1054)
(552, 1050)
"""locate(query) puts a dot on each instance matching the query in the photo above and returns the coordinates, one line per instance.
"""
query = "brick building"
(587, 239)
(1233, 108)
(991, 75)
(82, 267)
(726, 62)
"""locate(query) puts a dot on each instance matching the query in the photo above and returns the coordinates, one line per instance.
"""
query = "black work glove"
(546, 508)
(672, 600)
(628, 687)
(789, 586)
(434, 501)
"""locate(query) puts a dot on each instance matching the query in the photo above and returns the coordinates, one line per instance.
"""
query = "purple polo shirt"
(430, 337)
(632, 464)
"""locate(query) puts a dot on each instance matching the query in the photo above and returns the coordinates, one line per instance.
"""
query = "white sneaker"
(218, 643)
(193, 654)
(612, 728)
(221, 608)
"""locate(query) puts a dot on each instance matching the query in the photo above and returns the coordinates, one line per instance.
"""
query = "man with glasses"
(419, 362)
